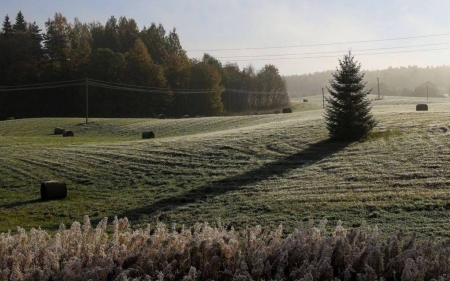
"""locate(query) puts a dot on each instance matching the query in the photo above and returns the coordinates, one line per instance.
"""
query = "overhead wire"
(331, 52)
(316, 57)
(318, 44)
(42, 84)
(40, 88)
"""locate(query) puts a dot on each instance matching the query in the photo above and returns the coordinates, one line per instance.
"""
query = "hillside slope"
(247, 170)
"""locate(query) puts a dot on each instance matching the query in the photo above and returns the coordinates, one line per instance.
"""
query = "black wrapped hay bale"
(287, 109)
(148, 135)
(186, 116)
(51, 190)
(59, 131)
(421, 107)
(68, 134)
(305, 100)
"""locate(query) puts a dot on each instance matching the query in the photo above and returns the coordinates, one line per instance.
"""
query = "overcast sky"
(214, 24)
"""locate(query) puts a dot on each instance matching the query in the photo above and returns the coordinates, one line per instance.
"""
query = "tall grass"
(203, 252)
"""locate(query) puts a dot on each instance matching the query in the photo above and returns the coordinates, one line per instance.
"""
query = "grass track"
(244, 170)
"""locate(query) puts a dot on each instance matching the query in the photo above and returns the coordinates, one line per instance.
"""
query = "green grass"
(244, 170)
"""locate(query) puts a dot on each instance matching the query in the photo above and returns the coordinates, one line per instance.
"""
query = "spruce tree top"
(20, 25)
(348, 115)
(7, 28)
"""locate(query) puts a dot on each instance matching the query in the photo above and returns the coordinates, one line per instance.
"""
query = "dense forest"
(132, 73)
(403, 81)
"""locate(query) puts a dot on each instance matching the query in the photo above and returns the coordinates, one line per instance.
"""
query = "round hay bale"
(305, 100)
(277, 111)
(68, 134)
(287, 109)
(186, 116)
(10, 118)
(51, 190)
(161, 116)
(59, 131)
(421, 107)
(148, 135)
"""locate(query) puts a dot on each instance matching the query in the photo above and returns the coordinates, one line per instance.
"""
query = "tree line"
(402, 81)
(120, 52)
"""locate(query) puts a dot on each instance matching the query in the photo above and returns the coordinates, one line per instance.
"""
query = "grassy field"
(245, 170)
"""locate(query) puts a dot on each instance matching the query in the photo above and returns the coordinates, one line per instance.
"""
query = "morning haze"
(224, 140)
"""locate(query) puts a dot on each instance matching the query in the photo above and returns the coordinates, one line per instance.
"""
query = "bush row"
(203, 252)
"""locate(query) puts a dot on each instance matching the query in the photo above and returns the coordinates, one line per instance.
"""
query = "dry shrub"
(83, 252)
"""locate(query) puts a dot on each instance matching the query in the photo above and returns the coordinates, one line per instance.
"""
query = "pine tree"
(20, 25)
(348, 115)
(7, 28)
(36, 40)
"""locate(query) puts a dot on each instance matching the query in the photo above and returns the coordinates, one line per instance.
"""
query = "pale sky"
(233, 24)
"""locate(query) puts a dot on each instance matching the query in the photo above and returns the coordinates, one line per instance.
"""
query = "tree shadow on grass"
(307, 157)
(18, 204)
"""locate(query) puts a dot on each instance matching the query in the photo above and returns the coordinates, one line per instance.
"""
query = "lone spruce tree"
(348, 114)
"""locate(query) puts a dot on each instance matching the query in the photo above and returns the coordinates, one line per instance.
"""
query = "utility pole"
(427, 92)
(378, 80)
(229, 98)
(323, 99)
(87, 100)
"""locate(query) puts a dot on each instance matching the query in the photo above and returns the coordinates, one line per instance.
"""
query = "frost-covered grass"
(243, 170)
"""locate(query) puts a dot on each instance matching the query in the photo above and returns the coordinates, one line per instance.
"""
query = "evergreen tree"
(348, 114)
(7, 27)
(20, 25)
(36, 39)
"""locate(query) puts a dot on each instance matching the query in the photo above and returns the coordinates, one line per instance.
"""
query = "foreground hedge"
(215, 253)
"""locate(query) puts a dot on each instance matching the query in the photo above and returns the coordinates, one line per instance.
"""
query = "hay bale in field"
(161, 116)
(305, 100)
(51, 190)
(59, 131)
(148, 135)
(287, 109)
(68, 134)
(277, 111)
(421, 107)
(186, 116)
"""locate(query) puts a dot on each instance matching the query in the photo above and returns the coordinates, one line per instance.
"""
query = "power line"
(145, 87)
(333, 52)
(42, 84)
(40, 88)
(156, 91)
(133, 89)
(319, 44)
(130, 85)
(367, 54)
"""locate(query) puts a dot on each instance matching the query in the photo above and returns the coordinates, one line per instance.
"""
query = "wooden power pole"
(87, 100)
(323, 98)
